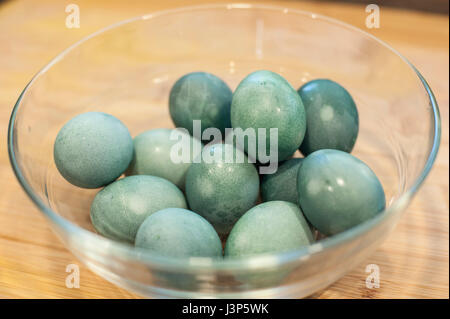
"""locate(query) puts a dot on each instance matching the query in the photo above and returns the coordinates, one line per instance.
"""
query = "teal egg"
(93, 149)
(200, 96)
(157, 154)
(265, 100)
(270, 227)
(282, 185)
(177, 232)
(120, 208)
(222, 189)
(338, 191)
(331, 116)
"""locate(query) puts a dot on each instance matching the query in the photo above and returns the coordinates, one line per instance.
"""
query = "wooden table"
(33, 261)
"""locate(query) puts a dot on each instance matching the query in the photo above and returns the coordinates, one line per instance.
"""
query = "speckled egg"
(265, 100)
(220, 188)
(338, 191)
(331, 116)
(270, 227)
(157, 153)
(179, 232)
(282, 185)
(93, 149)
(200, 96)
(120, 208)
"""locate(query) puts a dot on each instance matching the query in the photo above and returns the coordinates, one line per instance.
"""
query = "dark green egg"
(282, 185)
(200, 96)
(265, 100)
(338, 191)
(331, 116)
(222, 189)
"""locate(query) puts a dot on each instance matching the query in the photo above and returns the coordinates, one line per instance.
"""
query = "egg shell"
(93, 149)
(222, 190)
(152, 155)
(331, 116)
(282, 185)
(180, 233)
(200, 96)
(271, 227)
(337, 191)
(265, 100)
(119, 209)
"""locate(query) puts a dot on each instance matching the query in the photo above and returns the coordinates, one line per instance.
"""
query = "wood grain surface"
(33, 261)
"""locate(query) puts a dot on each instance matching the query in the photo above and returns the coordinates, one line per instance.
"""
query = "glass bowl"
(128, 69)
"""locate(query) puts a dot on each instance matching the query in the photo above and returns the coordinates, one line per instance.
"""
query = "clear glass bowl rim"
(197, 264)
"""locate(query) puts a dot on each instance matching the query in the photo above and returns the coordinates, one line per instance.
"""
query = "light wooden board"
(33, 261)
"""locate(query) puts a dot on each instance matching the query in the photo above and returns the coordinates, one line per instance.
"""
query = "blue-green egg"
(93, 149)
(268, 228)
(166, 153)
(271, 227)
(264, 100)
(177, 232)
(282, 185)
(200, 96)
(331, 116)
(119, 209)
(222, 186)
(338, 191)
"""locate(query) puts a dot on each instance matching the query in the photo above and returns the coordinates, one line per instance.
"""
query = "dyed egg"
(200, 96)
(93, 149)
(179, 232)
(270, 227)
(338, 191)
(265, 100)
(220, 187)
(157, 154)
(331, 116)
(282, 185)
(120, 208)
